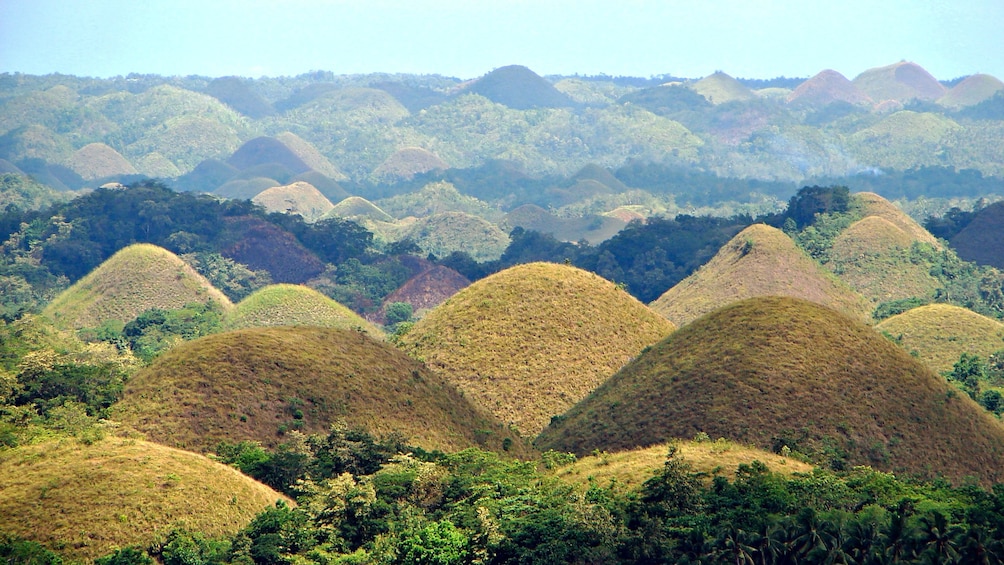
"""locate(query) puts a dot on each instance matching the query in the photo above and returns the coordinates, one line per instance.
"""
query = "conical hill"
(297, 198)
(874, 205)
(971, 91)
(405, 163)
(519, 88)
(86, 500)
(294, 305)
(530, 341)
(358, 207)
(137, 278)
(97, 160)
(900, 82)
(826, 87)
(426, 290)
(982, 240)
(719, 88)
(777, 371)
(257, 384)
(758, 261)
(310, 155)
(938, 334)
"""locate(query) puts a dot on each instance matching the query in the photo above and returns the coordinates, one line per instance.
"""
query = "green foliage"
(125, 556)
(893, 307)
(15, 551)
(398, 312)
(157, 330)
(235, 280)
(437, 543)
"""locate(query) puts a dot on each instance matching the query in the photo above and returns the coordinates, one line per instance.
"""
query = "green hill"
(446, 232)
(906, 139)
(519, 88)
(719, 88)
(86, 500)
(530, 341)
(137, 278)
(971, 91)
(758, 261)
(938, 334)
(257, 384)
(982, 240)
(264, 150)
(296, 198)
(310, 155)
(901, 82)
(294, 305)
(358, 207)
(435, 198)
(405, 163)
(236, 93)
(776, 372)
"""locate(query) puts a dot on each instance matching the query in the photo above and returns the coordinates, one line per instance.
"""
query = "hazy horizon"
(253, 38)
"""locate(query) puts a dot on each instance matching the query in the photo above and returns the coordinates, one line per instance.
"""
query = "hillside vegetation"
(938, 334)
(294, 305)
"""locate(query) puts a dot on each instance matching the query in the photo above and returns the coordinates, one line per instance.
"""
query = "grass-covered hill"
(971, 91)
(982, 240)
(86, 500)
(426, 290)
(443, 233)
(938, 334)
(436, 198)
(719, 88)
(309, 154)
(294, 305)
(530, 341)
(825, 88)
(628, 470)
(776, 372)
(593, 229)
(873, 257)
(874, 205)
(237, 93)
(519, 88)
(257, 384)
(358, 207)
(137, 278)
(759, 261)
(97, 161)
(297, 198)
(901, 82)
(266, 150)
(406, 163)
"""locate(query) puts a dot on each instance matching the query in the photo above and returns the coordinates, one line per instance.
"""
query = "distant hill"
(901, 82)
(905, 137)
(236, 93)
(874, 205)
(263, 246)
(758, 261)
(519, 88)
(414, 98)
(297, 198)
(86, 500)
(719, 88)
(207, 176)
(601, 175)
(264, 150)
(137, 278)
(155, 165)
(425, 291)
(593, 229)
(35, 142)
(294, 305)
(255, 384)
(530, 341)
(310, 155)
(774, 372)
(971, 91)
(435, 198)
(358, 207)
(982, 241)
(667, 99)
(446, 232)
(827, 87)
(406, 163)
(938, 334)
(326, 185)
(98, 161)
(245, 189)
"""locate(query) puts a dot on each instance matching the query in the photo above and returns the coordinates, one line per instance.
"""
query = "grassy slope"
(135, 279)
(628, 470)
(310, 155)
(776, 370)
(244, 385)
(358, 207)
(900, 81)
(532, 340)
(758, 261)
(874, 205)
(296, 198)
(86, 500)
(941, 333)
(97, 160)
(971, 91)
(720, 88)
(294, 305)
(446, 232)
(981, 240)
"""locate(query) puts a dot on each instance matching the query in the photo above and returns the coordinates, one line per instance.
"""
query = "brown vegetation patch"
(425, 291)
(98, 161)
(296, 198)
(263, 246)
(826, 87)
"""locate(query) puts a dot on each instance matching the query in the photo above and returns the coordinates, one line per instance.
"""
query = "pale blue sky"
(467, 38)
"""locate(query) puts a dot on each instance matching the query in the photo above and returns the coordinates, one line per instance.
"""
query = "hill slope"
(941, 333)
(758, 261)
(137, 278)
(87, 500)
(530, 341)
(874, 205)
(97, 160)
(519, 88)
(719, 88)
(982, 241)
(781, 371)
(826, 87)
(900, 82)
(294, 305)
(296, 198)
(255, 384)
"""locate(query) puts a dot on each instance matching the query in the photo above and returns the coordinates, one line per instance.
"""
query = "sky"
(468, 38)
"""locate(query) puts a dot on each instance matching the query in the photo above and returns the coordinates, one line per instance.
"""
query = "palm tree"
(978, 547)
(938, 539)
(896, 539)
(808, 534)
(732, 546)
(768, 542)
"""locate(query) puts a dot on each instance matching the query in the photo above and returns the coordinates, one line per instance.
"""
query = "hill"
(425, 291)
(294, 305)
(601, 175)
(326, 185)
(982, 241)
(758, 261)
(628, 470)
(207, 176)
(358, 207)
(245, 189)
(872, 257)
(874, 205)
(137, 278)
(901, 82)
(265, 150)
(938, 334)
(84, 501)
(827, 87)
(593, 229)
(405, 163)
(719, 88)
(296, 198)
(236, 93)
(530, 341)
(435, 198)
(98, 161)
(971, 91)
(776, 372)
(264, 246)
(258, 383)
(519, 88)
(310, 155)
(446, 232)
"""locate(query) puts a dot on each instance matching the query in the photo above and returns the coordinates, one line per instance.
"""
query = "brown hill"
(328, 187)
(519, 88)
(245, 189)
(294, 305)
(425, 291)
(874, 205)
(530, 341)
(255, 384)
(601, 175)
(775, 371)
(719, 88)
(758, 261)
(264, 150)
(262, 245)
(358, 207)
(86, 500)
(137, 278)
(938, 334)
(98, 161)
(982, 241)
(901, 82)
(826, 87)
(296, 198)
(310, 155)
(207, 176)
(872, 257)
(971, 91)
(405, 163)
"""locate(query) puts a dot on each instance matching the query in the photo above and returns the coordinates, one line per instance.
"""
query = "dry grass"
(874, 205)
(86, 500)
(938, 334)
(530, 341)
(628, 470)
(426, 290)
(97, 161)
(826, 87)
(720, 88)
(358, 207)
(255, 384)
(137, 278)
(780, 371)
(971, 91)
(446, 232)
(759, 261)
(900, 81)
(296, 198)
(310, 155)
(294, 305)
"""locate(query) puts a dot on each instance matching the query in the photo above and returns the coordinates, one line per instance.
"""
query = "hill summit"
(519, 88)
(530, 341)
(776, 372)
